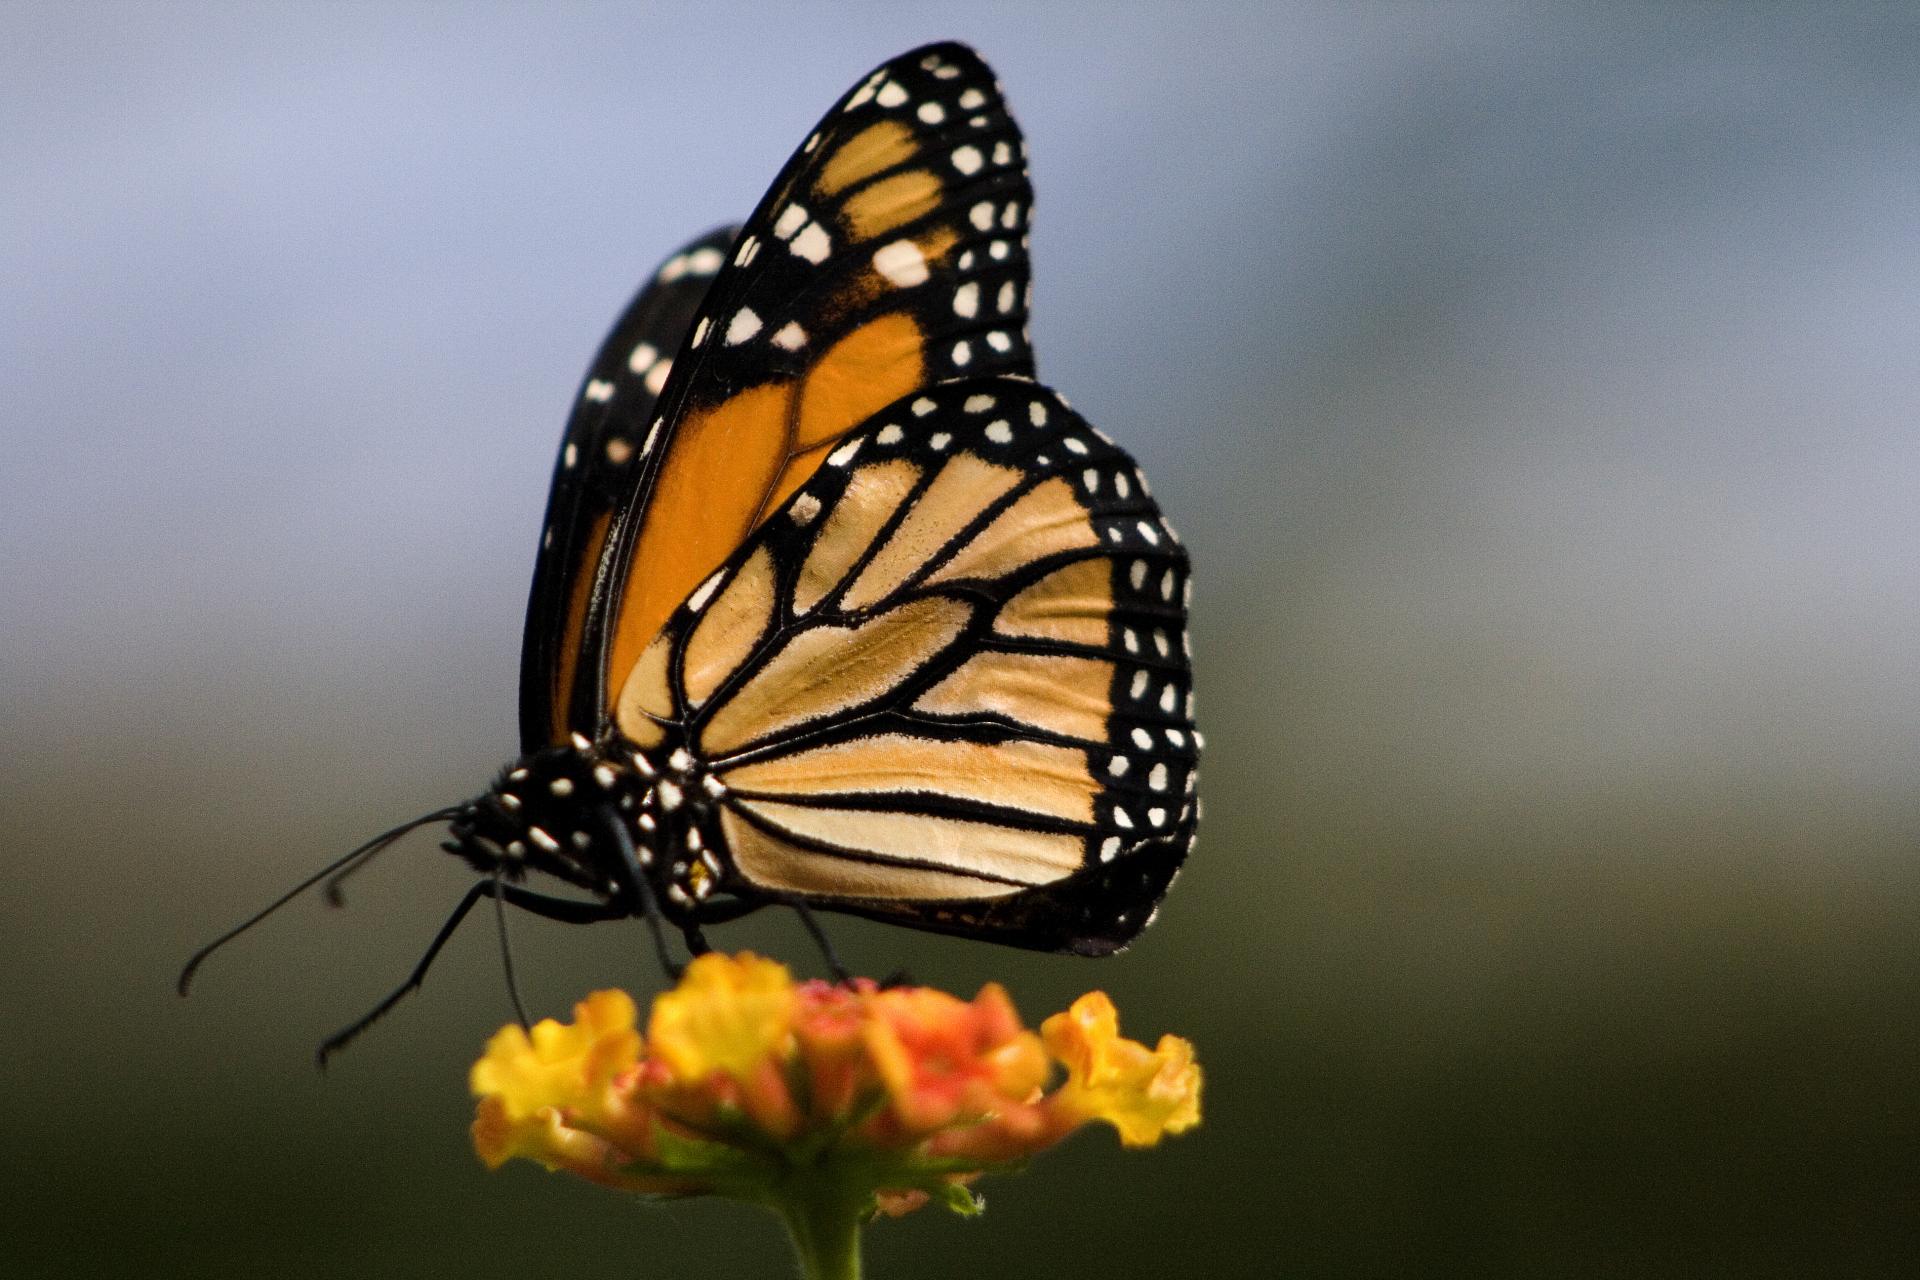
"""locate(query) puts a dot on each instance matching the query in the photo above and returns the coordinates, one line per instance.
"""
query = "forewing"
(594, 476)
(889, 254)
(947, 684)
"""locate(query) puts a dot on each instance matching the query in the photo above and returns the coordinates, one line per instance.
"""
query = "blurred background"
(1535, 391)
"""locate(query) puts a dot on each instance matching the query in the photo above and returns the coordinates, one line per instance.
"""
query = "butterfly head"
(549, 811)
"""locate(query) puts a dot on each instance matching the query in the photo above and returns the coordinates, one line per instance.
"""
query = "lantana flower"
(827, 1103)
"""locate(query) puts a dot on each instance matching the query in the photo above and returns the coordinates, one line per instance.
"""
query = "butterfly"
(835, 606)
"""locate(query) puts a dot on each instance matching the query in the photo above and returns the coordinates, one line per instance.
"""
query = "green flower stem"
(823, 1216)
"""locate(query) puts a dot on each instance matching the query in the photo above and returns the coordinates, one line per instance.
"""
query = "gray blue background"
(1535, 387)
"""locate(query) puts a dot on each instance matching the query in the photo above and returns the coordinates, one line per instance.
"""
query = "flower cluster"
(748, 1084)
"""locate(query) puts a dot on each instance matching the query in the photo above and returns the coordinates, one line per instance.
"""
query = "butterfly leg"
(642, 891)
(819, 936)
(566, 910)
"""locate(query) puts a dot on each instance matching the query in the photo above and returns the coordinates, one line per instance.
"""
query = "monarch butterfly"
(835, 605)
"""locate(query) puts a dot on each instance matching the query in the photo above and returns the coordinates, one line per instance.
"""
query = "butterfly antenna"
(367, 852)
(338, 866)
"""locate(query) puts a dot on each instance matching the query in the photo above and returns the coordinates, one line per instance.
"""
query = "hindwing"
(947, 682)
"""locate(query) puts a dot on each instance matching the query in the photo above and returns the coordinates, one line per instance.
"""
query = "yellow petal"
(561, 1064)
(729, 1014)
(542, 1137)
(1144, 1093)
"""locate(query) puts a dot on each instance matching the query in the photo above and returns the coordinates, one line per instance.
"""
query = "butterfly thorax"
(598, 815)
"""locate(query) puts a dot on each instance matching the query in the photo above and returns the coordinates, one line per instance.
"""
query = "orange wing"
(890, 254)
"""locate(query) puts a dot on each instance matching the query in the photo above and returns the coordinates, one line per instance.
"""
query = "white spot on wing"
(790, 337)
(704, 261)
(642, 358)
(657, 376)
(978, 404)
(743, 326)
(804, 509)
(864, 93)
(791, 219)
(890, 434)
(813, 244)
(891, 94)
(704, 592)
(999, 432)
(931, 112)
(901, 263)
(968, 160)
(966, 300)
(599, 391)
(844, 454)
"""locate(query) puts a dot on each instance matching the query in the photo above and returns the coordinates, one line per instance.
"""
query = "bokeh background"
(1535, 387)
